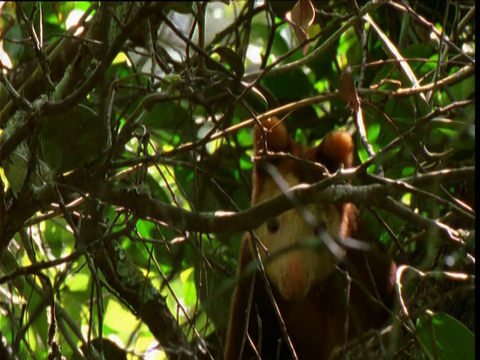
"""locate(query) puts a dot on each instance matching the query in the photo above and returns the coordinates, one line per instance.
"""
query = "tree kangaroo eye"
(273, 225)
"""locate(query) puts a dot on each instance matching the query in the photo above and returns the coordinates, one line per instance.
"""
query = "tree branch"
(326, 191)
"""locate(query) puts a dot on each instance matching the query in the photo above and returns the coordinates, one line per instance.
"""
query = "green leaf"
(232, 59)
(115, 313)
(169, 118)
(282, 85)
(78, 283)
(464, 89)
(9, 265)
(189, 291)
(444, 337)
(72, 139)
(58, 237)
(16, 167)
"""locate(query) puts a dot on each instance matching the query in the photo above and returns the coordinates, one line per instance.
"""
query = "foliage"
(126, 165)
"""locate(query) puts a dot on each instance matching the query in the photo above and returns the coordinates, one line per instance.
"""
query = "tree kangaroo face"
(298, 247)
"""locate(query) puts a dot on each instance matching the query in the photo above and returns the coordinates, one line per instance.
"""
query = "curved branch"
(449, 80)
(324, 191)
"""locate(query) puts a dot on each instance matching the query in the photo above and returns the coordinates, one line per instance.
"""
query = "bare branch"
(322, 192)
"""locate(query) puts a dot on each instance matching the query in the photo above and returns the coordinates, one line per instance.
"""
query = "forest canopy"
(126, 159)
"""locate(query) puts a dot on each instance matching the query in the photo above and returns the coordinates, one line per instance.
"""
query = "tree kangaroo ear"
(274, 134)
(335, 149)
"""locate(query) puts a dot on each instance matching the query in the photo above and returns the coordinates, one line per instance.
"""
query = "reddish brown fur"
(315, 316)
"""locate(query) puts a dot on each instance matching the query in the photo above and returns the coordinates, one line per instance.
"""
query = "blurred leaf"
(9, 265)
(232, 59)
(39, 328)
(14, 50)
(261, 32)
(444, 337)
(244, 138)
(58, 238)
(349, 50)
(16, 167)
(79, 283)
(168, 118)
(402, 110)
(116, 313)
(189, 290)
(301, 17)
(464, 89)
(281, 85)
(347, 88)
(72, 139)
